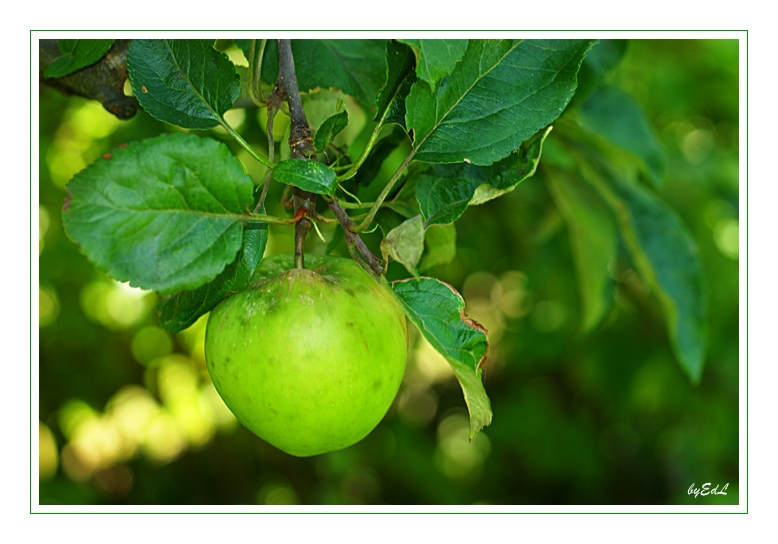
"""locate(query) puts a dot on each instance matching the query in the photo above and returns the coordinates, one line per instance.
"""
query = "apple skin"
(309, 360)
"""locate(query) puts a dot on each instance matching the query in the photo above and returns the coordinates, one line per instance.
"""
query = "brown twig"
(356, 245)
(102, 81)
(300, 142)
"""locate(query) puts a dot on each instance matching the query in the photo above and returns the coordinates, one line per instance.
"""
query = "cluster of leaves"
(178, 214)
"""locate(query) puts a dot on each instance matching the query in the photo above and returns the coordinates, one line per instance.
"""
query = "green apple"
(310, 359)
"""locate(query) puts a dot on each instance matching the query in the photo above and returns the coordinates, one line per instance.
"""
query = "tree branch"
(102, 81)
(356, 246)
(300, 142)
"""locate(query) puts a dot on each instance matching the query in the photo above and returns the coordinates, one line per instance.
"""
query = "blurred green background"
(128, 414)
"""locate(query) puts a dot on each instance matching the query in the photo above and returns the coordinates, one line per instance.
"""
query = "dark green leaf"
(399, 66)
(356, 67)
(445, 191)
(440, 246)
(381, 150)
(437, 310)
(397, 112)
(163, 213)
(405, 244)
(613, 114)
(593, 240)
(600, 60)
(500, 94)
(309, 176)
(183, 82)
(667, 259)
(331, 127)
(179, 311)
(435, 59)
(76, 54)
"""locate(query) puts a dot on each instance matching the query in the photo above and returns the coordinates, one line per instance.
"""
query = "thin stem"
(253, 83)
(246, 145)
(355, 206)
(255, 72)
(261, 203)
(351, 172)
(384, 193)
(263, 218)
(273, 105)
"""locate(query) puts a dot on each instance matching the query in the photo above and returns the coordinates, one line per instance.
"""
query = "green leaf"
(437, 310)
(183, 82)
(440, 246)
(405, 244)
(179, 311)
(435, 59)
(405, 209)
(369, 170)
(397, 112)
(445, 191)
(667, 259)
(356, 67)
(616, 116)
(599, 62)
(593, 240)
(500, 94)
(76, 54)
(309, 176)
(391, 97)
(163, 213)
(331, 127)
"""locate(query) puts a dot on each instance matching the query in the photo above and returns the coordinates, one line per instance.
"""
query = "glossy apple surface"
(309, 360)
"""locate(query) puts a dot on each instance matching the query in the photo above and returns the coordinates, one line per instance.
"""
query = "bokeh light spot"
(93, 121)
(235, 117)
(115, 481)
(726, 234)
(360, 485)
(73, 414)
(430, 366)
(456, 456)
(697, 145)
(48, 305)
(210, 400)
(48, 457)
(548, 316)
(43, 227)
(115, 305)
(417, 406)
(132, 409)
(149, 343)
(164, 440)
(277, 492)
(513, 298)
(193, 339)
